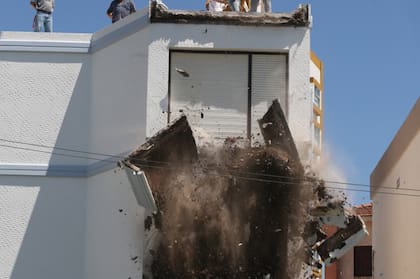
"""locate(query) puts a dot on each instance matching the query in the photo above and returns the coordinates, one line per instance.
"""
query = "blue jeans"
(267, 5)
(43, 21)
(234, 5)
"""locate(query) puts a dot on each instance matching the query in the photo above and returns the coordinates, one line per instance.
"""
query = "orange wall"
(331, 270)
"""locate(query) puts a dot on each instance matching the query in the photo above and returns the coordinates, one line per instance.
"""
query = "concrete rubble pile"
(235, 211)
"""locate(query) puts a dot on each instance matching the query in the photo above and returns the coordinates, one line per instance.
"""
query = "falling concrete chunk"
(175, 143)
(344, 239)
(140, 187)
(276, 132)
(332, 213)
(235, 211)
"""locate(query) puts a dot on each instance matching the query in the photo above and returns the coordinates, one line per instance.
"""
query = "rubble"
(298, 18)
(236, 211)
(340, 242)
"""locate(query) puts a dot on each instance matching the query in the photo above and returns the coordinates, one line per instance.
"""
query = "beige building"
(395, 186)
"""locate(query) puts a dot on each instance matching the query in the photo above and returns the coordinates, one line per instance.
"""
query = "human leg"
(234, 5)
(48, 23)
(254, 5)
(34, 24)
(38, 23)
(267, 6)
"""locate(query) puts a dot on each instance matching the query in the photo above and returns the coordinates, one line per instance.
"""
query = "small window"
(317, 118)
(317, 135)
(363, 261)
(317, 97)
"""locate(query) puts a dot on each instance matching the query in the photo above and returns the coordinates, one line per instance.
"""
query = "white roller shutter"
(212, 90)
(269, 82)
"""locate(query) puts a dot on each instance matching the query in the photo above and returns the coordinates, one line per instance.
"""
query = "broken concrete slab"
(298, 18)
(140, 186)
(341, 241)
(175, 143)
(276, 132)
(235, 211)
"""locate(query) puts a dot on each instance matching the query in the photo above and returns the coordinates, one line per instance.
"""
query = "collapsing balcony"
(235, 211)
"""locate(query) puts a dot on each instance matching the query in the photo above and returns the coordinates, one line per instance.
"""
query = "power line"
(55, 153)
(59, 148)
(166, 165)
(238, 177)
(107, 159)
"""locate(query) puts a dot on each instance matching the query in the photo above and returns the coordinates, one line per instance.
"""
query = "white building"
(72, 105)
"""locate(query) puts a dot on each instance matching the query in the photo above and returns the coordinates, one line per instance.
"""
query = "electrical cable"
(165, 165)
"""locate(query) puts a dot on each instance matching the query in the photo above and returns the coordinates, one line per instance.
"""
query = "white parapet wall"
(114, 228)
(44, 91)
(42, 227)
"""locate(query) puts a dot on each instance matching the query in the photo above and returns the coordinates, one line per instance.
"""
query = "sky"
(371, 55)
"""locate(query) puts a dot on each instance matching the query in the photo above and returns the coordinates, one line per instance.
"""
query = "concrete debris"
(276, 132)
(159, 151)
(332, 213)
(340, 242)
(161, 14)
(234, 211)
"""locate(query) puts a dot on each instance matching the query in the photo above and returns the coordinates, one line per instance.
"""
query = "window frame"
(362, 261)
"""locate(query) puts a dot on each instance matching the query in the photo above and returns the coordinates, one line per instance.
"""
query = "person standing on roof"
(120, 9)
(43, 19)
(235, 5)
(216, 5)
(255, 4)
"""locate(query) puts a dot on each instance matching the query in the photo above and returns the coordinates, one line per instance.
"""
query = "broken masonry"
(237, 212)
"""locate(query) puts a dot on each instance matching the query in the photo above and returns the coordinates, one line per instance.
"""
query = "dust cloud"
(231, 211)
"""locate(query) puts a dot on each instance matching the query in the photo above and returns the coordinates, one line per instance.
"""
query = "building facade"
(317, 88)
(395, 183)
(73, 105)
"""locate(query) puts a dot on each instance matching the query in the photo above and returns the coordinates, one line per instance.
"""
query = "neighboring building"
(317, 87)
(72, 105)
(357, 262)
(395, 186)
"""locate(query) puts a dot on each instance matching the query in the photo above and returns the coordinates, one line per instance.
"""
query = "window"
(317, 135)
(317, 97)
(317, 118)
(225, 93)
(363, 261)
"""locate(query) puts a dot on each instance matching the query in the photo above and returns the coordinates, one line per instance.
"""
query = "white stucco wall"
(44, 103)
(114, 228)
(42, 227)
(102, 102)
(119, 89)
(70, 227)
(291, 40)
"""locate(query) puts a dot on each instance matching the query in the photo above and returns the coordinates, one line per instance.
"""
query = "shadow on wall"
(51, 93)
(48, 241)
(70, 153)
(52, 244)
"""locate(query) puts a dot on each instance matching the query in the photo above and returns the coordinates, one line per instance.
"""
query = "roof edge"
(299, 18)
(45, 42)
(398, 145)
(120, 29)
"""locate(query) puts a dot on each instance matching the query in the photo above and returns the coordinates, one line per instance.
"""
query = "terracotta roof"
(363, 209)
